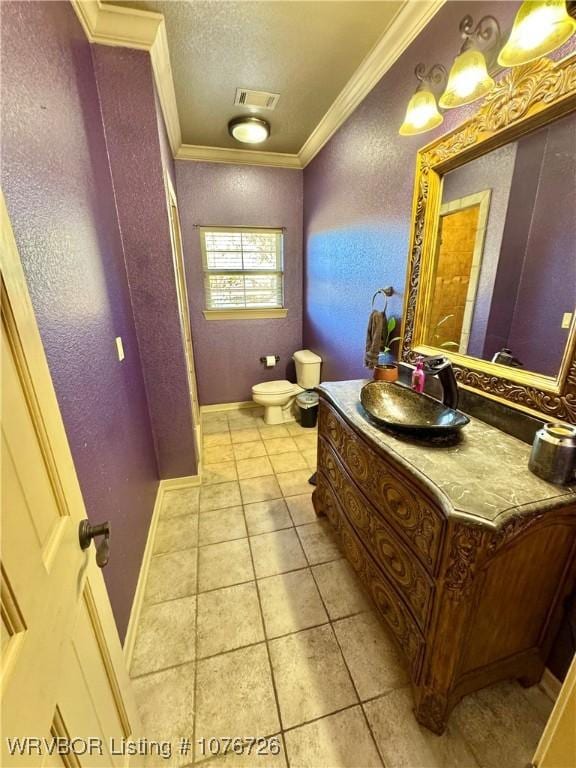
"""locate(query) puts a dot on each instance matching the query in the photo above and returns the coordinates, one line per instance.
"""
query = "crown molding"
(405, 27)
(237, 156)
(143, 30)
(146, 30)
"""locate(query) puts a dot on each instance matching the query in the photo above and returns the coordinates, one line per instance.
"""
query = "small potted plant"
(387, 368)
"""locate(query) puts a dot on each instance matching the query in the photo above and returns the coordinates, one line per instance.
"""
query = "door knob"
(87, 532)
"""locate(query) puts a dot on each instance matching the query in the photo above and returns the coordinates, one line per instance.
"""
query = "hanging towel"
(377, 324)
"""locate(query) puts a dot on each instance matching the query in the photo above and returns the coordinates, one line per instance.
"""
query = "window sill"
(244, 314)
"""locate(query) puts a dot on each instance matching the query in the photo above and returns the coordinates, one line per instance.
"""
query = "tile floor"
(255, 625)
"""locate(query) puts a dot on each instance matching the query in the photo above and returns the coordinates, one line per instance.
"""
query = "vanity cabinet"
(472, 595)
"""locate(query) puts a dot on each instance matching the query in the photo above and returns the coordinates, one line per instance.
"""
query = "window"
(243, 269)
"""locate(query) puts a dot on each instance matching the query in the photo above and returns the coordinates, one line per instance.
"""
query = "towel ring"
(387, 292)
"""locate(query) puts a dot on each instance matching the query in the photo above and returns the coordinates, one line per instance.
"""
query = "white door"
(63, 672)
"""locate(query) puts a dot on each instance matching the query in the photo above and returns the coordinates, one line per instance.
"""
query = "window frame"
(234, 313)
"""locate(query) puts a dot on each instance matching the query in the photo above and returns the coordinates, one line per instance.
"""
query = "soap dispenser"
(418, 376)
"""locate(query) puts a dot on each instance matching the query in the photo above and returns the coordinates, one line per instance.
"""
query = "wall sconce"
(422, 112)
(539, 28)
(469, 79)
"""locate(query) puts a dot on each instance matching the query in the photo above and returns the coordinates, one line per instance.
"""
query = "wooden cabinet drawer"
(404, 505)
(390, 607)
(407, 575)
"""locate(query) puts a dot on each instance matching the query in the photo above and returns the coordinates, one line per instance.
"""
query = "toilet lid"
(278, 387)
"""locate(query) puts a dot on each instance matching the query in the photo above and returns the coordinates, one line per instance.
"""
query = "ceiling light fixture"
(539, 28)
(249, 130)
(422, 112)
(469, 79)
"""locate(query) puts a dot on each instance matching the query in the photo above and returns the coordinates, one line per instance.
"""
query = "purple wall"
(514, 238)
(547, 285)
(227, 353)
(57, 184)
(358, 199)
(127, 96)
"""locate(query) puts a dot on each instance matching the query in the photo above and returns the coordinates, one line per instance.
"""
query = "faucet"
(441, 366)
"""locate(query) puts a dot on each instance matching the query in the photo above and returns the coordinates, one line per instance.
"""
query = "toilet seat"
(276, 387)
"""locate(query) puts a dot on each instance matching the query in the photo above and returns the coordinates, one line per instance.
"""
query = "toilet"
(278, 396)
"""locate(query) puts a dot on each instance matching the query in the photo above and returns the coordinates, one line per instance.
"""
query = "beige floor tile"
(213, 417)
(290, 602)
(539, 700)
(235, 696)
(372, 657)
(170, 576)
(221, 525)
(221, 565)
(215, 428)
(181, 502)
(266, 516)
(319, 542)
(311, 458)
(260, 489)
(341, 589)
(219, 473)
(165, 636)
(301, 509)
(249, 450)
(176, 533)
(245, 435)
(279, 445)
(218, 438)
(310, 675)
(500, 725)
(276, 552)
(274, 431)
(219, 496)
(296, 429)
(254, 467)
(228, 618)
(406, 744)
(307, 442)
(342, 740)
(287, 462)
(217, 454)
(272, 757)
(165, 702)
(295, 483)
(249, 416)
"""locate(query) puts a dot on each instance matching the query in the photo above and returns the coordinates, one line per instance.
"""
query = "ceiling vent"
(259, 99)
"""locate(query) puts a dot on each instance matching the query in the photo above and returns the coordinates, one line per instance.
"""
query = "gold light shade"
(421, 115)
(468, 80)
(540, 27)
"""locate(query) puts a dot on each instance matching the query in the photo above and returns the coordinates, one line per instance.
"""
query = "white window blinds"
(243, 268)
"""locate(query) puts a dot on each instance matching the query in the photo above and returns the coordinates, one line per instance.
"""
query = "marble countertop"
(485, 475)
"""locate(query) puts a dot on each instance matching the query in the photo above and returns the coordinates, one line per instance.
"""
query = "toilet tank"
(307, 368)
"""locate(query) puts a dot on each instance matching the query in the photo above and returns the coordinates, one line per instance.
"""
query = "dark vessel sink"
(403, 410)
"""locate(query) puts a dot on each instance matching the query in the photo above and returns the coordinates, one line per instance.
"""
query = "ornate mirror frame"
(523, 100)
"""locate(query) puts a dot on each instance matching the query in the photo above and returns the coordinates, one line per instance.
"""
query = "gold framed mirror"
(480, 286)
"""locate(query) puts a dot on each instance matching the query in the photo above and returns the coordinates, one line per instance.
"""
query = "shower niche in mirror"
(504, 272)
(492, 270)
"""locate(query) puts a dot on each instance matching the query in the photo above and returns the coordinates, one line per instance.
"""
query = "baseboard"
(550, 684)
(130, 639)
(177, 483)
(228, 406)
(171, 484)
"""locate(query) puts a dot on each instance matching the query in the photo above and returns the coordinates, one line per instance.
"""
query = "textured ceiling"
(306, 51)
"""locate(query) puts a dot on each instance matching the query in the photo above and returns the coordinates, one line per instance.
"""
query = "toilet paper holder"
(276, 357)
